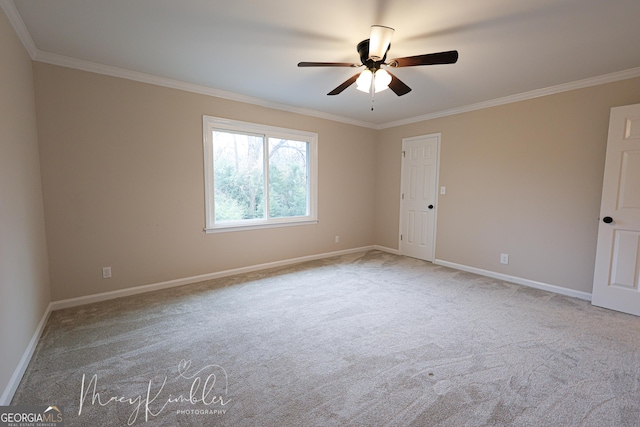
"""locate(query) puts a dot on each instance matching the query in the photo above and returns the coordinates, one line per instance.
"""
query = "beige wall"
(24, 277)
(123, 184)
(523, 179)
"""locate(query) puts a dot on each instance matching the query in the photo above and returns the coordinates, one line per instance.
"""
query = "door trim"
(438, 137)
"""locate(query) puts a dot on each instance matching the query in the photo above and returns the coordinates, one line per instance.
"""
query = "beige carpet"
(369, 339)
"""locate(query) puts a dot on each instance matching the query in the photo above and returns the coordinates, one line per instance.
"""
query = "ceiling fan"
(373, 54)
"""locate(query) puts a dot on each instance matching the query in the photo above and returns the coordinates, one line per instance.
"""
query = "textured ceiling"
(249, 49)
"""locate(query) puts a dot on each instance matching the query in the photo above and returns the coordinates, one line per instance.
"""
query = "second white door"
(419, 196)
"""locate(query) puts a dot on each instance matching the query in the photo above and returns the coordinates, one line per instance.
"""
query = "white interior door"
(616, 275)
(419, 196)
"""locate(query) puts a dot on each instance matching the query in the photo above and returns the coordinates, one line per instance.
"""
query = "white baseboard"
(74, 302)
(14, 381)
(518, 280)
(513, 279)
(386, 249)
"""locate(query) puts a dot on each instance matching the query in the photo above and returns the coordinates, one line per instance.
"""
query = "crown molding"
(79, 64)
(18, 25)
(565, 87)
(93, 67)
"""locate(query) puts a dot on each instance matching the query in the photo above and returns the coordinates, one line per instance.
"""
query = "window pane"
(288, 178)
(238, 181)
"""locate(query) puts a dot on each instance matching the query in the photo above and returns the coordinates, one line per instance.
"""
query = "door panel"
(411, 221)
(629, 193)
(616, 274)
(624, 267)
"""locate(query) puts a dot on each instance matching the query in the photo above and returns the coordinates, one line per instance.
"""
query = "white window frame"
(209, 124)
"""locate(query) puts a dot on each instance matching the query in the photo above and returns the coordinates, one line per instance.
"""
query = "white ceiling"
(249, 49)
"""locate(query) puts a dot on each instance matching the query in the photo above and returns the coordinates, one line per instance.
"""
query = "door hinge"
(401, 237)
(402, 196)
(404, 153)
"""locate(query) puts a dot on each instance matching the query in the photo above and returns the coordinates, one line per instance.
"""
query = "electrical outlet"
(504, 258)
(337, 239)
(106, 272)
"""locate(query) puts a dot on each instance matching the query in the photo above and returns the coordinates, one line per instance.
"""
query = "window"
(258, 176)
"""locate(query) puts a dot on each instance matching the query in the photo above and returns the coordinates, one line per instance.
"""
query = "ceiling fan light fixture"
(364, 81)
(381, 80)
(379, 41)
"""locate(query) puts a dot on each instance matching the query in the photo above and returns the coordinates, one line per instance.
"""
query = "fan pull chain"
(373, 89)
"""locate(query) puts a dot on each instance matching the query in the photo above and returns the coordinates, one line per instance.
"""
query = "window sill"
(230, 228)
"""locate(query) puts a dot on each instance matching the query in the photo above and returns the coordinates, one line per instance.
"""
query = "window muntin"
(258, 176)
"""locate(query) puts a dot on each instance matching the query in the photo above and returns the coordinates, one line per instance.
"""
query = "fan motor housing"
(363, 51)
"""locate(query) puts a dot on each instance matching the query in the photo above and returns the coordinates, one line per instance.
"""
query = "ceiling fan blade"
(397, 86)
(450, 57)
(344, 85)
(327, 64)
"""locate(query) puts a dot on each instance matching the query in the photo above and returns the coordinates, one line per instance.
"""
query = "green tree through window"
(238, 167)
(288, 178)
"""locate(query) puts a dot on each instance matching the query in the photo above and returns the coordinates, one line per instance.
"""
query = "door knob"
(430, 206)
(607, 220)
